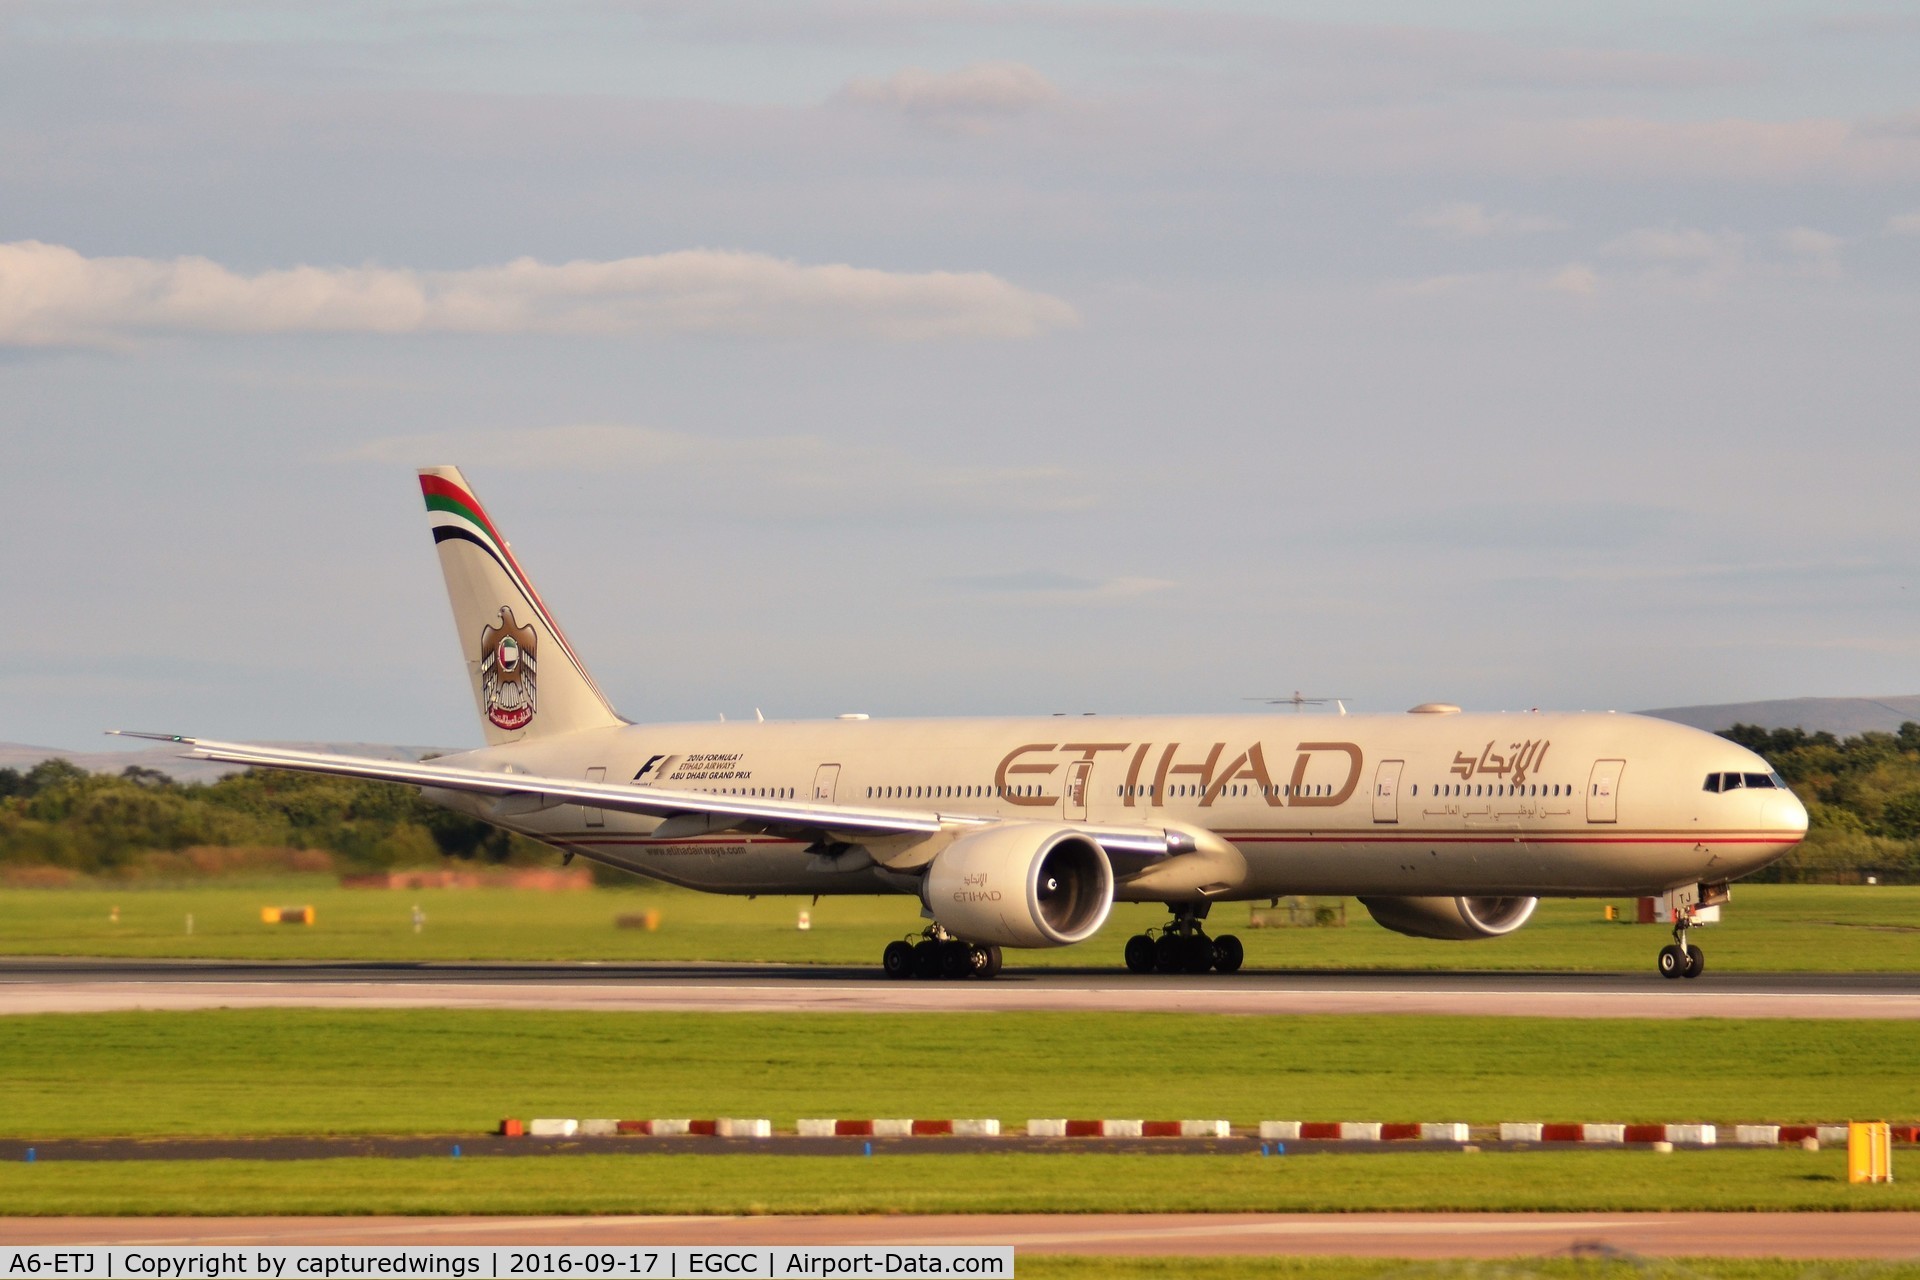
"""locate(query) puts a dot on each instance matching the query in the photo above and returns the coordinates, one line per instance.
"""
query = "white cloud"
(986, 89)
(1469, 221)
(1814, 252)
(1677, 244)
(1688, 258)
(794, 477)
(1904, 224)
(1576, 278)
(1809, 242)
(1048, 587)
(51, 295)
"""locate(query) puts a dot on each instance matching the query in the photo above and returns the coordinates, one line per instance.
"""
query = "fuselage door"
(595, 817)
(1386, 791)
(1603, 791)
(1076, 794)
(826, 781)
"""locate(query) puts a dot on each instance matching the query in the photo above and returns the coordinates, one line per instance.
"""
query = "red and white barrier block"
(1680, 1135)
(1358, 1131)
(899, 1128)
(1128, 1129)
(568, 1128)
(1773, 1135)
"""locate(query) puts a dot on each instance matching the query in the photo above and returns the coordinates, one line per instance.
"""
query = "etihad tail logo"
(507, 671)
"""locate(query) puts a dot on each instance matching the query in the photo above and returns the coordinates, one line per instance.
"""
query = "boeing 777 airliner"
(1023, 832)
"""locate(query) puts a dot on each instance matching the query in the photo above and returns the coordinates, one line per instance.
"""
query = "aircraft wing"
(519, 793)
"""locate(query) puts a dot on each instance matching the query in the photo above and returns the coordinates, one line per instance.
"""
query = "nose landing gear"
(1680, 960)
(1183, 946)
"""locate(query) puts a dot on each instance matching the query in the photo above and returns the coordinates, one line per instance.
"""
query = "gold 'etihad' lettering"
(1007, 766)
(1249, 765)
(1346, 789)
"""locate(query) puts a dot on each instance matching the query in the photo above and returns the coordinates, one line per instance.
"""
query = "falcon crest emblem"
(507, 653)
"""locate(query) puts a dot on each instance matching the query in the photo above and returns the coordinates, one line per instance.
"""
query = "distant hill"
(167, 760)
(1842, 717)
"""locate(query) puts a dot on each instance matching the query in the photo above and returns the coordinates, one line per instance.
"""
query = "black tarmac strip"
(34, 969)
(458, 1146)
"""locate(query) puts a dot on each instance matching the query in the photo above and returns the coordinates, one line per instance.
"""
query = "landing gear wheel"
(1140, 954)
(956, 960)
(1696, 962)
(1167, 953)
(1199, 953)
(1672, 963)
(926, 959)
(897, 959)
(1228, 954)
(986, 961)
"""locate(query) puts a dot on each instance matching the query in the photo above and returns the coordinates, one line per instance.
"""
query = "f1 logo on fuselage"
(648, 767)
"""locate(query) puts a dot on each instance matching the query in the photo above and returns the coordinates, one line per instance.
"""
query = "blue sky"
(957, 357)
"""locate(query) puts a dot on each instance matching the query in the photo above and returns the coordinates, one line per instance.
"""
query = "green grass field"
(1767, 927)
(1562, 1181)
(446, 1071)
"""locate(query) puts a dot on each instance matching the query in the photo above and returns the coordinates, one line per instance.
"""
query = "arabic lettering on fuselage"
(1522, 760)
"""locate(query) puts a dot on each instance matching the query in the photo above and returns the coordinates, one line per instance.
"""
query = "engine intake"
(1453, 919)
(1021, 884)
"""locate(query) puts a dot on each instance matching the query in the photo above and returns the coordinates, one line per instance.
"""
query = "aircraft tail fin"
(527, 681)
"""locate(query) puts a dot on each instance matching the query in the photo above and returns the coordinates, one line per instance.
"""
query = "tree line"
(57, 814)
(1862, 796)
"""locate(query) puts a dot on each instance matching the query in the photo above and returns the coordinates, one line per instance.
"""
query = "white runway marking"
(1557, 997)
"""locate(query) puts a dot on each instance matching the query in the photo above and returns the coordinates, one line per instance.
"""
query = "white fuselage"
(1402, 805)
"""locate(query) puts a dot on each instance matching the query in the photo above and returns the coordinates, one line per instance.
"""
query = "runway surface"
(1407, 1235)
(82, 986)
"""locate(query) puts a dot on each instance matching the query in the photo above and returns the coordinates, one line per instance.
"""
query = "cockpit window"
(1735, 781)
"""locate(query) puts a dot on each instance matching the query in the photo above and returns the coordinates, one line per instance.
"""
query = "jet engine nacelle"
(1454, 919)
(1021, 884)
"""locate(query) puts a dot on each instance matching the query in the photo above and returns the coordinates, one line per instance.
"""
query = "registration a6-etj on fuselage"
(1023, 831)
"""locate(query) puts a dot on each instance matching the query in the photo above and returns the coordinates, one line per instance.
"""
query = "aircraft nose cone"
(1786, 814)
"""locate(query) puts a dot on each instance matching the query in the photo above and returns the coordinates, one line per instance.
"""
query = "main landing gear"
(1183, 946)
(1680, 960)
(938, 954)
